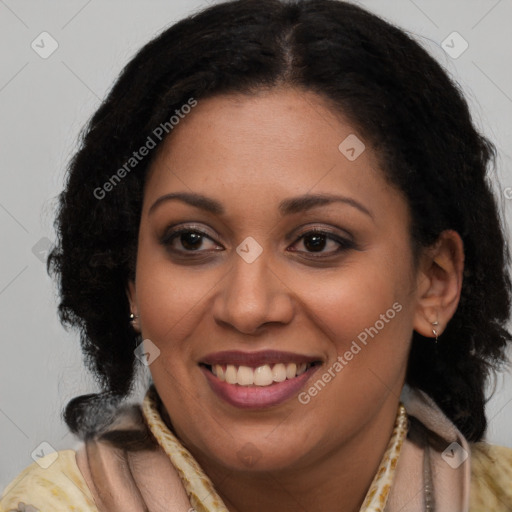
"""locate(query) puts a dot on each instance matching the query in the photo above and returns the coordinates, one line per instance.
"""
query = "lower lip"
(257, 397)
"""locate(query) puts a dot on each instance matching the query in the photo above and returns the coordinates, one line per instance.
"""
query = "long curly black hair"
(396, 95)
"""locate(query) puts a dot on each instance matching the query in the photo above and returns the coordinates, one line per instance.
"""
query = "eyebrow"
(286, 207)
(308, 201)
(197, 200)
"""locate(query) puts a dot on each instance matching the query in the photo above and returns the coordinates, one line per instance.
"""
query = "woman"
(283, 210)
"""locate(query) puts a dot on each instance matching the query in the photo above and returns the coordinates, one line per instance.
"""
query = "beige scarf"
(138, 464)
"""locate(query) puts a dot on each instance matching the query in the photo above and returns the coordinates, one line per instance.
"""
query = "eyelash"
(344, 243)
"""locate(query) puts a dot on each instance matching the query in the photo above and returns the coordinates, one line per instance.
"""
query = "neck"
(337, 480)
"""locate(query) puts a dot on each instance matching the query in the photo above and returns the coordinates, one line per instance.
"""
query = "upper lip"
(255, 359)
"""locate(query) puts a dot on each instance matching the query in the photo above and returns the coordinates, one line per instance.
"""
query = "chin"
(254, 455)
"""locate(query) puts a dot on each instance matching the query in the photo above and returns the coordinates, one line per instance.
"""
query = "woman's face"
(280, 254)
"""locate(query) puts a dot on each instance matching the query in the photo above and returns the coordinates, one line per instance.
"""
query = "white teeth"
(231, 374)
(245, 376)
(279, 372)
(291, 370)
(301, 368)
(263, 375)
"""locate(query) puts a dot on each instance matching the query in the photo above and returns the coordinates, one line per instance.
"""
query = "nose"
(252, 296)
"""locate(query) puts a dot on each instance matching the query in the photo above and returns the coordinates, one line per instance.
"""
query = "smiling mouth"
(264, 375)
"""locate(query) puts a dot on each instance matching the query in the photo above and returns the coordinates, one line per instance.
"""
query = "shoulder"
(54, 483)
(491, 477)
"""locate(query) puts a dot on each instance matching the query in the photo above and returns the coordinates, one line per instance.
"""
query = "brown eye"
(315, 242)
(191, 240)
(323, 243)
(186, 240)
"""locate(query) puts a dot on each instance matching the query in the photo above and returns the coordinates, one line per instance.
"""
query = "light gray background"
(45, 102)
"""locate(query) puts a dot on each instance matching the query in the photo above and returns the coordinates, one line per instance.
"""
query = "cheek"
(365, 313)
(348, 301)
(169, 297)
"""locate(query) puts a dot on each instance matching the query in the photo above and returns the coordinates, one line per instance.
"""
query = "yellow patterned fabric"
(58, 487)
(491, 478)
(378, 492)
(61, 487)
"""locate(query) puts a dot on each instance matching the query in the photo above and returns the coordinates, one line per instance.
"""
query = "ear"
(132, 299)
(439, 283)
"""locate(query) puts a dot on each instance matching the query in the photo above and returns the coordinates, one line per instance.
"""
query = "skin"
(249, 153)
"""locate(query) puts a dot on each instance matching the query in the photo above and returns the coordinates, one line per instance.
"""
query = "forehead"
(275, 143)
